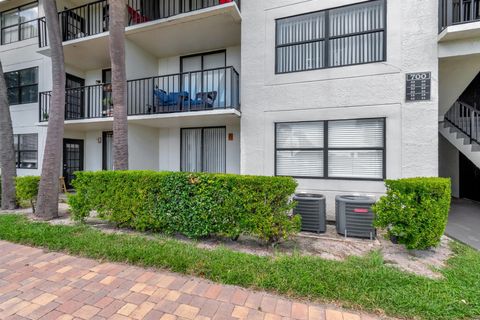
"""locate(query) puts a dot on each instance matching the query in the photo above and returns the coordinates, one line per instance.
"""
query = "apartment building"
(340, 94)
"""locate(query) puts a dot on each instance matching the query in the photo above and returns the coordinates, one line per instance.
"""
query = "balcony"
(207, 90)
(93, 18)
(458, 19)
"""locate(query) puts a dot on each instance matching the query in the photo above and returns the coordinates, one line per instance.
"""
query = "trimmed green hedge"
(415, 210)
(195, 205)
(27, 189)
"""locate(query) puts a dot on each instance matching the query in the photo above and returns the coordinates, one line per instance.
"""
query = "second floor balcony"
(455, 12)
(205, 90)
(93, 18)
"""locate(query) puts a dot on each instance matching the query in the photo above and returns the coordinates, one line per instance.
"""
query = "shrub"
(195, 205)
(415, 210)
(27, 189)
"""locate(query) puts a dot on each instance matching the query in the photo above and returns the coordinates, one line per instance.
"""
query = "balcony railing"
(183, 92)
(42, 33)
(457, 12)
(466, 119)
(93, 18)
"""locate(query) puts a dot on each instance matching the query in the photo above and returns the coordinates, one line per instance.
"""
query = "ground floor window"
(203, 150)
(338, 149)
(26, 150)
(107, 152)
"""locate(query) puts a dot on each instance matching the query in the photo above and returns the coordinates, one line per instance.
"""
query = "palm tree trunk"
(47, 205)
(117, 23)
(7, 149)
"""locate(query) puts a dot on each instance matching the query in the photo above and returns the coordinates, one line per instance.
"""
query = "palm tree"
(7, 149)
(119, 83)
(47, 205)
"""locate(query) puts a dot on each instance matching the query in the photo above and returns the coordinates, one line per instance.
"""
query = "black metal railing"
(183, 92)
(458, 11)
(93, 18)
(466, 119)
(42, 33)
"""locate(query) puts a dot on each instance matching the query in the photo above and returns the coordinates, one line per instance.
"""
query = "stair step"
(475, 147)
(461, 135)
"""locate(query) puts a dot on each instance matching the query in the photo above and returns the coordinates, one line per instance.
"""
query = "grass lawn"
(363, 283)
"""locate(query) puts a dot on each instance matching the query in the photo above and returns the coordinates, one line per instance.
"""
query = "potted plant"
(107, 103)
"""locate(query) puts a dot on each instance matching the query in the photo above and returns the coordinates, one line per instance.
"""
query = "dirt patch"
(329, 245)
(423, 262)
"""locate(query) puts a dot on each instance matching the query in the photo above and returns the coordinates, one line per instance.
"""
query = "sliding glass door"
(204, 78)
(203, 150)
(107, 152)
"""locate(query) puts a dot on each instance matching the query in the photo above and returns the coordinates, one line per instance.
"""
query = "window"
(356, 149)
(203, 150)
(26, 150)
(20, 23)
(339, 149)
(22, 86)
(342, 36)
(300, 149)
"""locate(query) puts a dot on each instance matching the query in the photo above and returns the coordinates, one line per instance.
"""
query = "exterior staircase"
(462, 129)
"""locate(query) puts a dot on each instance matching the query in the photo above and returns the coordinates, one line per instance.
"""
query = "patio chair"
(168, 102)
(204, 100)
(135, 17)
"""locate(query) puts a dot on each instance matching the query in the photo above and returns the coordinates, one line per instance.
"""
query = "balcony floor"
(460, 31)
(166, 120)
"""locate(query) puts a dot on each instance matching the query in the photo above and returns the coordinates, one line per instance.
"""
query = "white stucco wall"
(22, 55)
(142, 147)
(362, 91)
(93, 151)
(139, 63)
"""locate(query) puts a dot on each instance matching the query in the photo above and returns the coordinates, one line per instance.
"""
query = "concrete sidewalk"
(464, 222)
(39, 285)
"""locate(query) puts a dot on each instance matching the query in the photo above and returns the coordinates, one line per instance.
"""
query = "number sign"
(419, 86)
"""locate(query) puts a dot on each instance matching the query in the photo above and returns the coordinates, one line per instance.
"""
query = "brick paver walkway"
(38, 285)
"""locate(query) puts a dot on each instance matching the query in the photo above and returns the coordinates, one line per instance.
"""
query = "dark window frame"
(19, 87)
(327, 38)
(202, 146)
(326, 149)
(202, 55)
(18, 25)
(18, 151)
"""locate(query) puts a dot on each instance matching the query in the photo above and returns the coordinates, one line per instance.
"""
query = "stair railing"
(466, 119)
